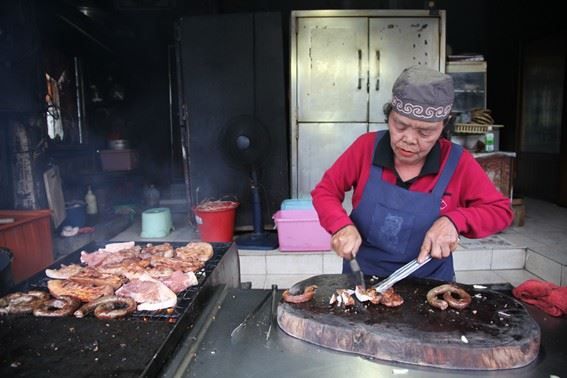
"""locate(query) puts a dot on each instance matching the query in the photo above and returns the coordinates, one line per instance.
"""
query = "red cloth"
(471, 200)
(546, 296)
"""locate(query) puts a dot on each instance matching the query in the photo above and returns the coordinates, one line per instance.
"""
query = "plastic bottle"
(489, 141)
(152, 197)
(90, 199)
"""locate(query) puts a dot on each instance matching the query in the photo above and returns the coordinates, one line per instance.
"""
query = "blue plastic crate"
(297, 204)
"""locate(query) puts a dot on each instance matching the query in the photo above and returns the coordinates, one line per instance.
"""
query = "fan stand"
(259, 239)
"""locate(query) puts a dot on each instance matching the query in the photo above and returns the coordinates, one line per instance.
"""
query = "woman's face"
(412, 140)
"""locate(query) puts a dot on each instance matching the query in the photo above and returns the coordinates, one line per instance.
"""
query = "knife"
(400, 274)
(357, 273)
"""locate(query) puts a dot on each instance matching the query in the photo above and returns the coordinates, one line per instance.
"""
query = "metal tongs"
(400, 274)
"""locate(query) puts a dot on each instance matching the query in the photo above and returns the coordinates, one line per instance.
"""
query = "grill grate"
(184, 298)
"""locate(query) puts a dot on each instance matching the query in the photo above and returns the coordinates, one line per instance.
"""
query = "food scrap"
(306, 296)
(344, 297)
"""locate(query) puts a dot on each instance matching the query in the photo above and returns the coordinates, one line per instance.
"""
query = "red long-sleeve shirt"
(471, 200)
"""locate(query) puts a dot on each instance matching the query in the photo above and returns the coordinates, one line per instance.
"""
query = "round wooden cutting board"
(494, 332)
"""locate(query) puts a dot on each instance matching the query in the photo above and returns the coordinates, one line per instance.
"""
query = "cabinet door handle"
(377, 70)
(359, 69)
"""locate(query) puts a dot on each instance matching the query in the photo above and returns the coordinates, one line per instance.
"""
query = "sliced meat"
(64, 272)
(116, 247)
(150, 293)
(201, 251)
(164, 250)
(104, 257)
(179, 281)
(93, 258)
(84, 293)
(176, 264)
(90, 276)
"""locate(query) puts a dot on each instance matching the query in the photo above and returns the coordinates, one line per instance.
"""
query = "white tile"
(472, 260)
(255, 252)
(556, 252)
(490, 242)
(516, 276)
(253, 264)
(543, 267)
(258, 280)
(514, 258)
(478, 277)
(519, 240)
(284, 281)
(332, 264)
(295, 263)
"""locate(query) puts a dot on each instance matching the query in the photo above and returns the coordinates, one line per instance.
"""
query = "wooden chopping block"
(494, 332)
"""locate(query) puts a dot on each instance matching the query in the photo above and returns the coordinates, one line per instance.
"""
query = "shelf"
(469, 91)
(474, 128)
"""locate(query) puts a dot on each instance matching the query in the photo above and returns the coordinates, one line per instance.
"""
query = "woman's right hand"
(346, 242)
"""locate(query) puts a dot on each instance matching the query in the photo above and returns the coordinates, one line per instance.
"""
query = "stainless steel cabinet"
(334, 89)
(396, 43)
(343, 66)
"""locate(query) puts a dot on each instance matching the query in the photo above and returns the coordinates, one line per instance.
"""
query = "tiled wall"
(472, 265)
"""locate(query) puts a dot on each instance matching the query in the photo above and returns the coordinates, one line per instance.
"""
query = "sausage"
(459, 303)
(447, 290)
(56, 307)
(306, 296)
(22, 303)
(391, 298)
(117, 308)
(112, 300)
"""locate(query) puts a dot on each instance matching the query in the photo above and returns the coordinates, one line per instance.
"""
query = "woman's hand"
(346, 242)
(440, 240)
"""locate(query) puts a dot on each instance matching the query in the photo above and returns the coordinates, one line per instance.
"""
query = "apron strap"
(377, 169)
(449, 169)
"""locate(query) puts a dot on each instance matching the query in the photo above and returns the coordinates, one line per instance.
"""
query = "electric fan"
(246, 142)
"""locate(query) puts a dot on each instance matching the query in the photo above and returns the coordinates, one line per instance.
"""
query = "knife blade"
(357, 273)
(400, 274)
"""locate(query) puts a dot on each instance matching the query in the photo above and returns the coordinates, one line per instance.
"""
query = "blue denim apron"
(393, 221)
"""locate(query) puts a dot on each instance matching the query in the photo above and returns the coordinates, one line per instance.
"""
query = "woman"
(414, 191)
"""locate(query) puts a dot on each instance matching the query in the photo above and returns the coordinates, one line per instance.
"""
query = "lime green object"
(156, 223)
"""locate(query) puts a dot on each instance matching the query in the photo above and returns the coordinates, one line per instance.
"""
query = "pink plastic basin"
(299, 230)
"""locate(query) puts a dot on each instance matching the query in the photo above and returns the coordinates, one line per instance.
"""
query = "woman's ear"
(449, 126)
(387, 109)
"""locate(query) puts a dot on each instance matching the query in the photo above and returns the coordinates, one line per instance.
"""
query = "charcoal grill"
(138, 345)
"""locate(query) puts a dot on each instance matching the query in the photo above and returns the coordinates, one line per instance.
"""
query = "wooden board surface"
(494, 332)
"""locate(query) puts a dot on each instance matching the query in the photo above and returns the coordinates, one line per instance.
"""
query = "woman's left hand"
(440, 240)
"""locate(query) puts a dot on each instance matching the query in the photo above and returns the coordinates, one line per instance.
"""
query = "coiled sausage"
(463, 300)
(56, 307)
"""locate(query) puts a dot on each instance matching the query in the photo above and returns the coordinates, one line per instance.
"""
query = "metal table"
(209, 350)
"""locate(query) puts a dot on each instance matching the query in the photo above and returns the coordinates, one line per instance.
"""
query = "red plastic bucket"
(215, 220)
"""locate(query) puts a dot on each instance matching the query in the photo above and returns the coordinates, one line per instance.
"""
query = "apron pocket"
(390, 230)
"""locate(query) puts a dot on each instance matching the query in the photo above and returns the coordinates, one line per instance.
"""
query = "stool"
(156, 223)
(519, 212)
